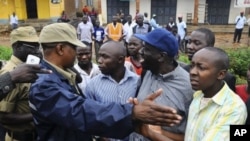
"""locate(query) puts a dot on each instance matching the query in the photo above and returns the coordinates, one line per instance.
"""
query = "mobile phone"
(32, 59)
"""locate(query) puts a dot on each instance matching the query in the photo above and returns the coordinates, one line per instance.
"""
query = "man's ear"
(221, 74)
(59, 49)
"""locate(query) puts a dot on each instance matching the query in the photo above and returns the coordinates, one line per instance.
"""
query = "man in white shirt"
(240, 21)
(182, 31)
(85, 30)
(13, 21)
(86, 68)
(128, 28)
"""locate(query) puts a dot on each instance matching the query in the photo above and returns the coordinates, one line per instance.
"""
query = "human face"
(108, 60)
(139, 20)
(26, 48)
(149, 58)
(203, 72)
(83, 55)
(134, 45)
(129, 18)
(69, 55)
(196, 42)
(84, 19)
(114, 19)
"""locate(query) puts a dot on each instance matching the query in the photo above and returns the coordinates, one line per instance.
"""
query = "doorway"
(31, 9)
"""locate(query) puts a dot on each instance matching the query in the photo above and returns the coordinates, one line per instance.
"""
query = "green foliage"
(183, 58)
(5, 53)
(239, 61)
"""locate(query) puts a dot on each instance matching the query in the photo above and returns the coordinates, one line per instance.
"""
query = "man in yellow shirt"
(114, 30)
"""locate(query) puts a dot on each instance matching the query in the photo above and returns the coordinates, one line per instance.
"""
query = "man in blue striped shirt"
(116, 83)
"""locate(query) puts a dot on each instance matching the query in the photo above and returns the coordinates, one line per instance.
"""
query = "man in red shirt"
(244, 90)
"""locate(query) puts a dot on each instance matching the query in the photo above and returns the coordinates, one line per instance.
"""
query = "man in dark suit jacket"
(200, 38)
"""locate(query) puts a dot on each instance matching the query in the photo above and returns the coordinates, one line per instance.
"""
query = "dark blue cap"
(162, 40)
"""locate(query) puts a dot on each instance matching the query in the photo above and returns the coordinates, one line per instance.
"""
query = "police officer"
(15, 114)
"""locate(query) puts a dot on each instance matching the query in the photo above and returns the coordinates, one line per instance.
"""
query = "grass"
(5, 52)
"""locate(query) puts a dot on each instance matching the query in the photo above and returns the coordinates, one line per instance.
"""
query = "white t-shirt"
(85, 77)
(13, 19)
(240, 21)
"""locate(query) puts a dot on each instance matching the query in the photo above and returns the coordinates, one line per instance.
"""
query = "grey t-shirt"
(177, 93)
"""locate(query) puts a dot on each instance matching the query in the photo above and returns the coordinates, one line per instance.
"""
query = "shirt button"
(6, 88)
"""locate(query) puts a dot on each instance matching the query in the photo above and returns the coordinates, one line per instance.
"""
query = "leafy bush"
(5, 53)
(183, 58)
(239, 62)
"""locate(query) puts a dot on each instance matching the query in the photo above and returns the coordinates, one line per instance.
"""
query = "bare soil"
(224, 40)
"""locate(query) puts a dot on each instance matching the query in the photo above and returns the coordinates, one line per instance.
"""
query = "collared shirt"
(86, 77)
(85, 31)
(177, 93)
(13, 19)
(128, 30)
(104, 88)
(181, 29)
(209, 120)
(144, 29)
(16, 100)
(61, 114)
(240, 21)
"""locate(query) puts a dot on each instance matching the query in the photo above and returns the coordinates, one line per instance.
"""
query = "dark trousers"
(237, 34)
(97, 47)
(249, 31)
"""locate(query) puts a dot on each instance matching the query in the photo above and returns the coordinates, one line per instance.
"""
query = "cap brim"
(78, 43)
(142, 37)
(30, 39)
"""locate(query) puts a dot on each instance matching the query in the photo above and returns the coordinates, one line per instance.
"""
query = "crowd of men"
(136, 90)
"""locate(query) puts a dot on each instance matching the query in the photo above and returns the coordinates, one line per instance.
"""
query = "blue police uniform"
(60, 113)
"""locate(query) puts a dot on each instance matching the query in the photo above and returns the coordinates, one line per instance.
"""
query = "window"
(89, 2)
(55, 1)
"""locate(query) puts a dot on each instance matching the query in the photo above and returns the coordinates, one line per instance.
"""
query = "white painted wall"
(184, 7)
(132, 8)
(234, 12)
(145, 6)
(104, 11)
(201, 11)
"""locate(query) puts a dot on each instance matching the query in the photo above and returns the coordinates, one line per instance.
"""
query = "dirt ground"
(222, 40)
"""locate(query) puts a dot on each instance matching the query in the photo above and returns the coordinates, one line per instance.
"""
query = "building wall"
(184, 7)
(233, 12)
(145, 7)
(56, 10)
(6, 10)
(43, 9)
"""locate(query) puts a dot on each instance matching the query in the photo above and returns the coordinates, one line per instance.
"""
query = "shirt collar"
(15, 60)
(219, 98)
(128, 74)
(68, 74)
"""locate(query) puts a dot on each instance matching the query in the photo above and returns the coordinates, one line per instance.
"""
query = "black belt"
(22, 136)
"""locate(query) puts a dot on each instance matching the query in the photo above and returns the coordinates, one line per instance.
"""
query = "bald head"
(114, 48)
